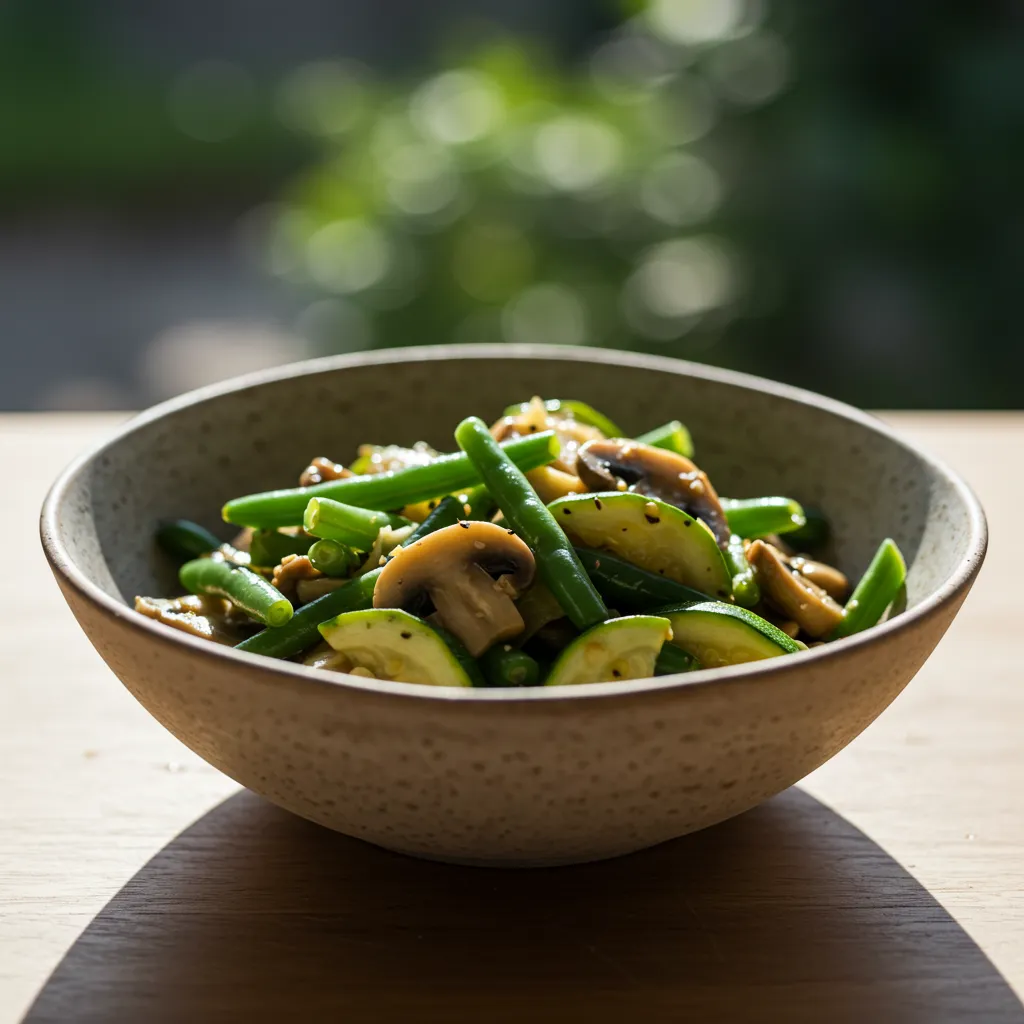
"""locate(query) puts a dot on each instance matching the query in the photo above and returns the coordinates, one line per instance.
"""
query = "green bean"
(628, 588)
(252, 593)
(745, 589)
(332, 557)
(504, 665)
(557, 563)
(301, 632)
(672, 659)
(268, 547)
(759, 517)
(877, 589)
(674, 437)
(391, 490)
(579, 411)
(813, 534)
(357, 527)
(477, 503)
(185, 540)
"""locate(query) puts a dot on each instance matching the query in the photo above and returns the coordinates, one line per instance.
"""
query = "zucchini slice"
(719, 634)
(649, 533)
(393, 645)
(615, 650)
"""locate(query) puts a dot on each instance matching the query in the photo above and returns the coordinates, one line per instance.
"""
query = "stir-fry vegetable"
(628, 587)
(745, 590)
(673, 436)
(332, 557)
(876, 590)
(183, 540)
(761, 517)
(384, 490)
(251, 593)
(504, 665)
(551, 550)
(357, 527)
(268, 547)
(559, 565)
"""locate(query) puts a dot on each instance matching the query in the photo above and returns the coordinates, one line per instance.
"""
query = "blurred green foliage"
(824, 193)
(506, 198)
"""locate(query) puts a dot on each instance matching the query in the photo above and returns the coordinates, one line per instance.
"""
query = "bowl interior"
(187, 458)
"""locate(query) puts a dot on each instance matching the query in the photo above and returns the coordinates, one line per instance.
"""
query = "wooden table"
(137, 884)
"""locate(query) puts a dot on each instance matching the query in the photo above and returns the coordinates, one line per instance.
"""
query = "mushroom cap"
(609, 465)
(415, 570)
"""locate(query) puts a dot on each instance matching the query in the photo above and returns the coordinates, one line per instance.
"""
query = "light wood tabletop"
(138, 884)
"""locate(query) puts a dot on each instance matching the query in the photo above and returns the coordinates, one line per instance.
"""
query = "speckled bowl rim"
(956, 583)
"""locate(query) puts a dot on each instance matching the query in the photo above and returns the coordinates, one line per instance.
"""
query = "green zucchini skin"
(648, 533)
(629, 588)
(395, 646)
(614, 651)
(718, 634)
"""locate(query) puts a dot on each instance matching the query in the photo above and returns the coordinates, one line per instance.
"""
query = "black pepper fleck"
(406, 636)
(652, 519)
(464, 524)
(597, 504)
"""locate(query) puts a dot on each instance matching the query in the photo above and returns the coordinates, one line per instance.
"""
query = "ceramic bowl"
(507, 777)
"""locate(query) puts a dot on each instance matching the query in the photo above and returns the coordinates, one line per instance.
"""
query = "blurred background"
(828, 193)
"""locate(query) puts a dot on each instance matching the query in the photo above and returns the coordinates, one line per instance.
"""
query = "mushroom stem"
(476, 608)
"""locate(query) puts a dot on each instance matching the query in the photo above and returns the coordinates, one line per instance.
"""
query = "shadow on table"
(787, 913)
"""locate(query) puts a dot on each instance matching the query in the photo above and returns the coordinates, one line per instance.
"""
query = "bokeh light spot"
(421, 178)
(683, 111)
(348, 256)
(680, 189)
(624, 68)
(457, 107)
(549, 313)
(694, 21)
(750, 70)
(576, 153)
(323, 97)
(676, 283)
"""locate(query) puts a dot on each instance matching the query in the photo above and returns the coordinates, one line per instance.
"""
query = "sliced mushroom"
(792, 593)
(535, 417)
(208, 617)
(320, 470)
(830, 579)
(453, 570)
(292, 570)
(619, 464)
